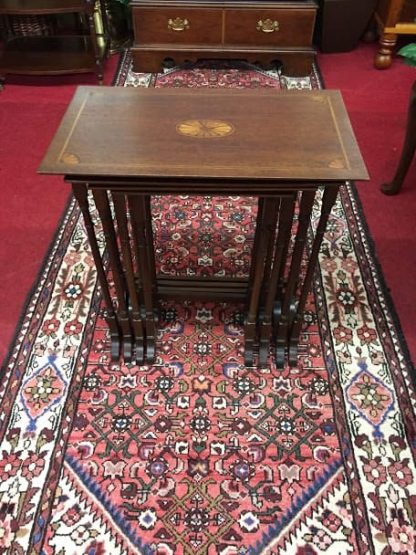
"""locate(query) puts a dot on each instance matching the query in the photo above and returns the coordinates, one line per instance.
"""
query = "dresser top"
(205, 134)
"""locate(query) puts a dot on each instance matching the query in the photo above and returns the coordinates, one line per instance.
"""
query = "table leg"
(328, 200)
(286, 211)
(255, 249)
(383, 58)
(289, 302)
(264, 228)
(103, 207)
(81, 195)
(408, 149)
(124, 236)
(141, 241)
(150, 248)
(269, 257)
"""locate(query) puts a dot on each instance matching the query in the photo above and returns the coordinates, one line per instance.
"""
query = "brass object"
(267, 26)
(178, 24)
(112, 21)
(204, 128)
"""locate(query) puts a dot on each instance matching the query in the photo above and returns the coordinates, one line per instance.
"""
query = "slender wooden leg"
(121, 215)
(150, 248)
(81, 194)
(263, 230)
(103, 207)
(269, 255)
(255, 249)
(249, 345)
(408, 149)
(288, 304)
(328, 200)
(287, 207)
(137, 206)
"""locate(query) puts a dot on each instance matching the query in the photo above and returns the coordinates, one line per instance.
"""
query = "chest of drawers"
(263, 32)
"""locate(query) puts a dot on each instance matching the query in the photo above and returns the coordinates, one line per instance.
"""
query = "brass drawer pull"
(178, 24)
(267, 26)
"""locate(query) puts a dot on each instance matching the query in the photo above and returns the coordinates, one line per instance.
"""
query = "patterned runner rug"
(198, 454)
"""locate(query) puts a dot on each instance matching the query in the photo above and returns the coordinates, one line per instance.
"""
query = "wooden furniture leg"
(124, 236)
(103, 207)
(328, 200)
(286, 211)
(150, 249)
(269, 258)
(384, 56)
(264, 228)
(289, 301)
(137, 207)
(408, 149)
(255, 249)
(81, 195)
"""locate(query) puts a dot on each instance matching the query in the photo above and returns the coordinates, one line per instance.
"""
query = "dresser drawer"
(269, 27)
(177, 26)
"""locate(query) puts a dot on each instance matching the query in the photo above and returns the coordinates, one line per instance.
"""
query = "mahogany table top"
(206, 134)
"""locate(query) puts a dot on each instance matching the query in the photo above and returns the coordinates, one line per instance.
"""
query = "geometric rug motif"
(198, 454)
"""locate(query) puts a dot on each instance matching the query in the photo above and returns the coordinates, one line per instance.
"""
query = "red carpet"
(31, 205)
(377, 105)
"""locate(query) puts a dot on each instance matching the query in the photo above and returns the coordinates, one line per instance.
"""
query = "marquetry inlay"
(69, 158)
(337, 164)
(204, 128)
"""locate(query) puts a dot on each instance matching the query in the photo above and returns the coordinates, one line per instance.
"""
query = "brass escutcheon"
(178, 24)
(267, 26)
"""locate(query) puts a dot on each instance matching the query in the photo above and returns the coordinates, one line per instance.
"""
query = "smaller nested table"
(277, 146)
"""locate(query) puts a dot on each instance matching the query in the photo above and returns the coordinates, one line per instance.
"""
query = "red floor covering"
(31, 205)
(377, 104)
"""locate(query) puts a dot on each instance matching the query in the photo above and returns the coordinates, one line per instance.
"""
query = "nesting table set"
(124, 145)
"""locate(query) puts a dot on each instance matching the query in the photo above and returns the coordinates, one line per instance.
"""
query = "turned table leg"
(383, 58)
(408, 149)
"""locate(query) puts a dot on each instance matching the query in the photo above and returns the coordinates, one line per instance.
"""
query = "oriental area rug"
(198, 454)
